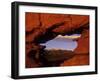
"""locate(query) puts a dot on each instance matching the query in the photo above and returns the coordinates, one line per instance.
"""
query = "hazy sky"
(62, 42)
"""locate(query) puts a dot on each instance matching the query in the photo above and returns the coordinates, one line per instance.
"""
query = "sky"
(62, 42)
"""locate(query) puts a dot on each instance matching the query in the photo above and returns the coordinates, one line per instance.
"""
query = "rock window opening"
(67, 42)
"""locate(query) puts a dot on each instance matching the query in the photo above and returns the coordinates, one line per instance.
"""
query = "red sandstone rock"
(31, 21)
(77, 60)
(83, 43)
(37, 26)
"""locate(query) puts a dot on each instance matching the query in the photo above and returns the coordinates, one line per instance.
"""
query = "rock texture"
(42, 27)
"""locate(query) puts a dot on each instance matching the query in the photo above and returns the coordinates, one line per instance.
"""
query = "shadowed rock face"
(41, 28)
(55, 57)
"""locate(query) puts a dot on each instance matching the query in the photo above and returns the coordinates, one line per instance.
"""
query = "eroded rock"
(44, 27)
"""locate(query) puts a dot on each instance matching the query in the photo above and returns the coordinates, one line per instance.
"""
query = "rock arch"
(41, 27)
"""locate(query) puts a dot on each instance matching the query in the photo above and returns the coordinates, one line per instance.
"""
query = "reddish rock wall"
(38, 26)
